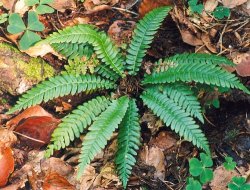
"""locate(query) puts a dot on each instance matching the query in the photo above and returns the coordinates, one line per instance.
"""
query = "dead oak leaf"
(232, 3)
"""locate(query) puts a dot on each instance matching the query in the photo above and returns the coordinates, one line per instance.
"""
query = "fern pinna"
(166, 92)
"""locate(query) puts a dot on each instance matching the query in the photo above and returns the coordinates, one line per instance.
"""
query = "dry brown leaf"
(190, 38)
(148, 5)
(163, 141)
(7, 138)
(207, 41)
(29, 112)
(54, 181)
(36, 131)
(210, 5)
(6, 165)
(154, 157)
(233, 3)
(21, 7)
(8, 4)
(88, 177)
(40, 50)
(221, 178)
(62, 5)
(242, 61)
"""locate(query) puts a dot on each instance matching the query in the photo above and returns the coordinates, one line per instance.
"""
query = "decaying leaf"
(7, 138)
(164, 141)
(54, 181)
(6, 164)
(154, 156)
(88, 177)
(242, 61)
(233, 3)
(62, 5)
(36, 130)
(29, 112)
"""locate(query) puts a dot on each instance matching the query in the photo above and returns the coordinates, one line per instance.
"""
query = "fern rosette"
(166, 92)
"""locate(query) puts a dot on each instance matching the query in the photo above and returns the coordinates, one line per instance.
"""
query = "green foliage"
(143, 37)
(101, 130)
(221, 12)
(61, 86)
(42, 6)
(128, 142)
(229, 164)
(103, 46)
(201, 168)
(174, 116)
(166, 92)
(16, 25)
(195, 6)
(193, 184)
(238, 183)
(74, 124)
(3, 18)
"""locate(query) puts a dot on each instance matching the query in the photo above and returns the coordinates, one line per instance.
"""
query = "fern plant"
(166, 92)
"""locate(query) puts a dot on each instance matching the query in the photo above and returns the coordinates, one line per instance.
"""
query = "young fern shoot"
(166, 92)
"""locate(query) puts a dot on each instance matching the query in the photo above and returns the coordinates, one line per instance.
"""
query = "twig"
(125, 10)
(29, 137)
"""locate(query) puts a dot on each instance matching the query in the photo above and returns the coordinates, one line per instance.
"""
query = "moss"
(36, 69)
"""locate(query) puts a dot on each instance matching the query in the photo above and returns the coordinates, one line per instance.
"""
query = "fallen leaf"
(62, 5)
(36, 131)
(148, 5)
(221, 178)
(164, 141)
(7, 138)
(40, 50)
(242, 62)
(54, 181)
(8, 4)
(190, 38)
(29, 112)
(210, 5)
(21, 7)
(154, 156)
(88, 177)
(207, 41)
(232, 3)
(6, 165)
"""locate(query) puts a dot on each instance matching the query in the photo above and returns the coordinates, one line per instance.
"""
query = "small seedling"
(238, 183)
(195, 7)
(229, 164)
(221, 12)
(16, 25)
(193, 184)
(201, 168)
(42, 6)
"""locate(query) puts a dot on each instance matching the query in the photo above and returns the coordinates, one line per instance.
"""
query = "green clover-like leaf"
(31, 2)
(201, 168)
(193, 184)
(34, 23)
(195, 167)
(238, 183)
(195, 7)
(28, 39)
(220, 12)
(16, 24)
(42, 2)
(229, 164)
(44, 9)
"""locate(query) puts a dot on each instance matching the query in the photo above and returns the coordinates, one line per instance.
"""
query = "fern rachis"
(166, 93)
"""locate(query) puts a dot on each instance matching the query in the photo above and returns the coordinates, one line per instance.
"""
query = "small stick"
(29, 137)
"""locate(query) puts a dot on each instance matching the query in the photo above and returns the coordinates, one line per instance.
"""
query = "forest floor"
(163, 158)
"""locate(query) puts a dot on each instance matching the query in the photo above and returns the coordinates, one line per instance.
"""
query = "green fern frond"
(101, 130)
(175, 117)
(60, 86)
(103, 46)
(184, 97)
(73, 125)
(128, 142)
(105, 72)
(143, 37)
(200, 72)
(73, 50)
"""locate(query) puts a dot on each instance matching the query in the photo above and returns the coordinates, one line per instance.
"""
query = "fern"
(184, 97)
(73, 50)
(175, 117)
(60, 86)
(128, 142)
(105, 72)
(82, 34)
(196, 71)
(143, 37)
(74, 124)
(101, 130)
